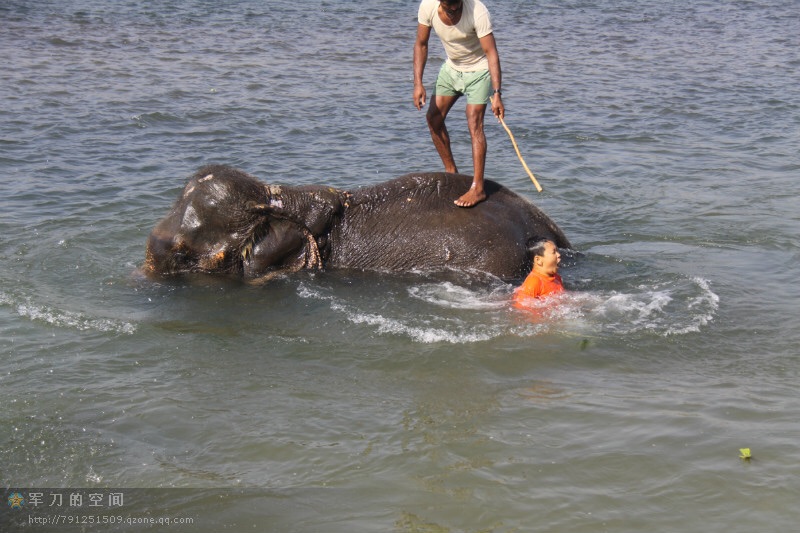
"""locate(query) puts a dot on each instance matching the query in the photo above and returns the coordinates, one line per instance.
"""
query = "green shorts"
(476, 85)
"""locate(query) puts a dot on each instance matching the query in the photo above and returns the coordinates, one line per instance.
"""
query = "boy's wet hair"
(538, 247)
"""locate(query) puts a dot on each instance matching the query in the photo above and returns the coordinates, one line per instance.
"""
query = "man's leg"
(437, 113)
(475, 194)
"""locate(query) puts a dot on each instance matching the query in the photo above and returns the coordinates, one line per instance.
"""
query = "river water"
(666, 137)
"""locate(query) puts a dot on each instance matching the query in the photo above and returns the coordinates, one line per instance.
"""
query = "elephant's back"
(431, 194)
(411, 222)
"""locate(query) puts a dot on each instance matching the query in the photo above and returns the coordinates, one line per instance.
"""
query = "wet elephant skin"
(227, 222)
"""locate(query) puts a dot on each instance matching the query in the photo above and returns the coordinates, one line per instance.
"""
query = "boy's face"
(549, 261)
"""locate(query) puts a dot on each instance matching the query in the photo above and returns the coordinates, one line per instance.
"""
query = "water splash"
(436, 312)
(450, 332)
(451, 313)
(674, 308)
(452, 296)
(62, 318)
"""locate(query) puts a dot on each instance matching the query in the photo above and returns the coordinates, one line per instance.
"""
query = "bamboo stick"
(533, 179)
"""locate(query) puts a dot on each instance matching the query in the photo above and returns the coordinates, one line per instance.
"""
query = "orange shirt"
(536, 285)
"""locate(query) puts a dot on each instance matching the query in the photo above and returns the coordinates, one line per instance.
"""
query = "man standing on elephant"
(472, 69)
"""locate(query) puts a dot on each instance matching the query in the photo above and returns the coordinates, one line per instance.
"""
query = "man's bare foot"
(472, 197)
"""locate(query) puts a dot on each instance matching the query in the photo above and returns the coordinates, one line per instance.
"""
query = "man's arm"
(420, 58)
(490, 49)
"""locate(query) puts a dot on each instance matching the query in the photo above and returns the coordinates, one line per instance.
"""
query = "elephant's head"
(227, 222)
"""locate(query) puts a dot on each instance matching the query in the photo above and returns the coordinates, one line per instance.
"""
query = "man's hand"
(419, 96)
(498, 108)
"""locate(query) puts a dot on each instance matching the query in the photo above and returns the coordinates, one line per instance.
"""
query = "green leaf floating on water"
(744, 453)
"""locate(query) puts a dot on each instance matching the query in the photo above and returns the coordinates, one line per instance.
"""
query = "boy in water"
(544, 278)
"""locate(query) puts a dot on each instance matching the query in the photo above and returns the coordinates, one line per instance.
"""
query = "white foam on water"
(419, 333)
(65, 319)
(458, 315)
(436, 326)
(306, 292)
(664, 310)
(637, 308)
(452, 296)
(705, 304)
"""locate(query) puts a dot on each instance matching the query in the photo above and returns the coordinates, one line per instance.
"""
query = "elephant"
(228, 222)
